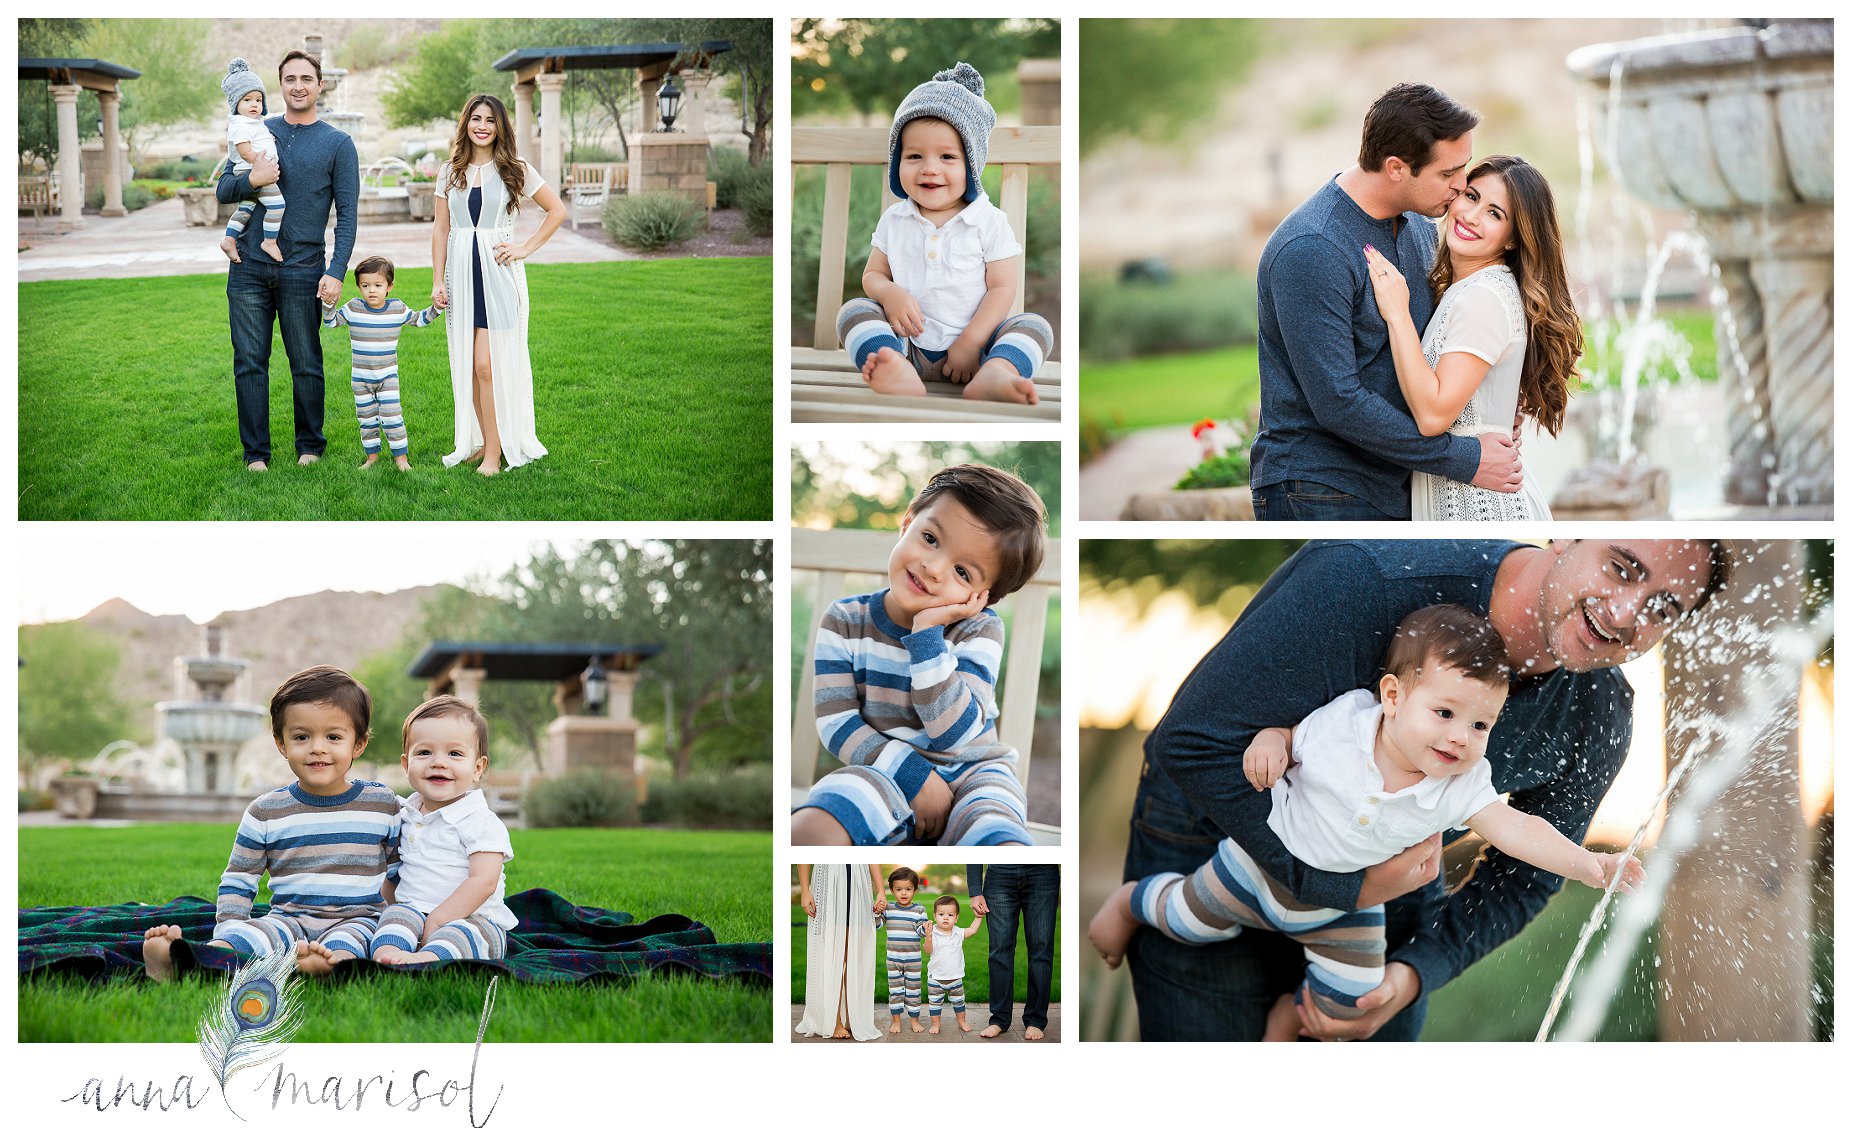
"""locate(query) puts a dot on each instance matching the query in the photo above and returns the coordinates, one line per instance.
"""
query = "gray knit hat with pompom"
(956, 97)
(239, 81)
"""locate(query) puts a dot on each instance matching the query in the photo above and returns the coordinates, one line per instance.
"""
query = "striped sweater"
(906, 928)
(904, 703)
(326, 855)
(375, 333)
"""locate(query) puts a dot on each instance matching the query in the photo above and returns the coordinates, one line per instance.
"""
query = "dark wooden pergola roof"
(103, 75)
(637, 55)
(528, 661)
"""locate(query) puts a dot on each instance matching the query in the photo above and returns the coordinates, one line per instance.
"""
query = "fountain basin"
(211, 722)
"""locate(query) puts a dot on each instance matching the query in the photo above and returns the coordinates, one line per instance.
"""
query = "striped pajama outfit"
(471, 938)
(906, 925)
(1024, 340)
(940, 992)
(375, 377)
(896, 706)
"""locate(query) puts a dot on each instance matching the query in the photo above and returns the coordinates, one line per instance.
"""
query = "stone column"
(693, 118)
(1733, 937)
(1797, 303)
(524, 122)
(70, 160)
(466, 683)
(552, 127)
(1041, 91)
(651, 119)
(111, 101)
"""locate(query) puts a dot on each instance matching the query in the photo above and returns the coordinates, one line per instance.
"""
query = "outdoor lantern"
(594, 681)
(669, 103)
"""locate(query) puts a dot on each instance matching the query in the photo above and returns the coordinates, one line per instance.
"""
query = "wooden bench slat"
(1014, 191)
(837, 360)
(858, 405)
(804, 741)
(802, 378)
(835, 244)
(1016, 709)
(864, 552)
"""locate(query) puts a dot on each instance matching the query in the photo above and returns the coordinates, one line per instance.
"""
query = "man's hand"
(961, 361)
(952, 612)
(903, 312)
(1402, 874)
(1500, 469)
(930, 807)
(264, 171)
(1401, 986)
(330, 290)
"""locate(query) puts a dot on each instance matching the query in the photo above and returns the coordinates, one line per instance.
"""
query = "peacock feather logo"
(256, 1020)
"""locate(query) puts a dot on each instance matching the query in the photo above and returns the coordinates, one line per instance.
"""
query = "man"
(1336, 439)
(323, 170)
(1319, 628)
(1002, 895)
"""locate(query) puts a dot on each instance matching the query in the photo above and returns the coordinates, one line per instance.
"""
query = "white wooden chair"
(825, 385)
(590, 185)
(826, 559)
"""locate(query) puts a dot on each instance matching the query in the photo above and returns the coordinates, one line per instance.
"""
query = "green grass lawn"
(1182, 388)
(977, 960)
(716, 877)
(652, 382)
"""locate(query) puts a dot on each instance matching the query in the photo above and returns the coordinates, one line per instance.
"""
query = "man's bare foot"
(891, 374)
(991, 1031)
(369, 463)
(308, 459)
(1282, 1021)
(270, 248)
(157, 951)
(997, 379)
(1032, 1034)
(230, 246)
(964, 1024)
(258, 466)
(403, 463)
(917, 1028)
(1112, 927)
(894, 1026)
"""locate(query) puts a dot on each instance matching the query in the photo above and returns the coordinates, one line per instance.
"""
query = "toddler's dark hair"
(447, 706)
(944, 901)
(1448, 636)
(904, 874)
(323, 685)
(1006, 506)
(1406, 122)
(378, 264)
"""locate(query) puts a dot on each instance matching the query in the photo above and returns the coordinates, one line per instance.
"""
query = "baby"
(324, 904)
(905, 922)
(945, 962)
(246, 137)
(374, 321)
(945, 265)
(906, 677)
(447, 900)
(1357, 782)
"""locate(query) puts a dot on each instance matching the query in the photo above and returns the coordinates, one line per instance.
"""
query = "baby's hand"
(1606, 864)
(903, 313)
(952, 612)
(961, 361)
(1264, 763)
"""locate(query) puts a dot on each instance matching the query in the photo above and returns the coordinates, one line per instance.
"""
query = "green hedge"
(739, 800)
(587, 797)
(650, 221)
(1208, 310)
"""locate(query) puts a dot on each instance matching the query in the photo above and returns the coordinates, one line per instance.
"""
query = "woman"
(1504, 337)
(482, 188)
(839, 970)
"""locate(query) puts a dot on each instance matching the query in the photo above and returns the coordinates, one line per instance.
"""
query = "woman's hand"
(810, 901)
(440, 294)
(507, 254)
(1391, 288)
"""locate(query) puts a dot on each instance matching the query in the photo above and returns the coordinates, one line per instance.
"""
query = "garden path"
(976, 1011)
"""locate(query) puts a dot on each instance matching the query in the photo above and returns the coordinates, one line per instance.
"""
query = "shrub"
(367, 45)
(1224, 470)
(174, 169)
(650, 221)
(31, 800)
(754, 200)
(1209, 310)
(738, 800)
(730, 169)
(590, 153)
(587, 797)
(134, 196)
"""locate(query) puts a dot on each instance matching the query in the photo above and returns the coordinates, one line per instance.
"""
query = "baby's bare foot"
(368, 464)
(314, 958)
(410, 959)
(963, 1024)
(230, 246)
(935, 1027)
(891, 374)
(1282, 1021)
(894, 1026)
(157, 951)
(1112, 927)
(917, 1028)
(997, 379)
(270, 248)
(402, 462)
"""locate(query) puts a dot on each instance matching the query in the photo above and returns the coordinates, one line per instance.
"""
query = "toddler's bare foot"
(314, 958)
(270, 248)
(368, 464)
(992, 1031)
(1282, 1021)
(964, 1024)
(402, 462)
(894, 1026)
(411, 959)
(997, 379)
(1032, 1034)
(891, 374)
(230, 246)
(935, 1027)
(157, 951)
(917, 1028)
(1112, 927)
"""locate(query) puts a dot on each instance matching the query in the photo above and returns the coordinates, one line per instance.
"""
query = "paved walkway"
(156, 241)
(977, 1013)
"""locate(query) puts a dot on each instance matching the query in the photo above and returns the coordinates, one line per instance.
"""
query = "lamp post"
(668, 104)
(594, 680)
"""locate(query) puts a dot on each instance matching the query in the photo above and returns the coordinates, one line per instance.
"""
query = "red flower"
(1196, 432)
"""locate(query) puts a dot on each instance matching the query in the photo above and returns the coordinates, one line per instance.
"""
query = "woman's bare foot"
(1112, 927)
(270, 248)
(157, 951)
(230, 246)
(964, 1024)
(1032, 1034)
(368, 464)
(842, 1034)
(402, 462)
(997, 379)
(992, 1031)
(1282, 1021)
(474, 458)
(891, 374)
(491, 463)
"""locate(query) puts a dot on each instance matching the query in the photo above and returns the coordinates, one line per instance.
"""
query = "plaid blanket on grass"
(556, 942)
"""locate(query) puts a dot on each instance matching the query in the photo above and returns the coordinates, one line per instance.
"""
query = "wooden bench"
(36, 197)
(825, 560)
(825, 386)
(591, 185)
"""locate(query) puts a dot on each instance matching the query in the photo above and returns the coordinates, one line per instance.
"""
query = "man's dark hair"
(944, 901)
(378, 264)
(293, 56)
(1406, 122)
(1006, 507)
(904, 874)
(323, 685)
(1451, 637)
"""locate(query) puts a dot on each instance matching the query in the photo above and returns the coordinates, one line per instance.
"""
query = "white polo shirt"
(943, 267)
(947, 961)
(1331, 810)
(434, 850)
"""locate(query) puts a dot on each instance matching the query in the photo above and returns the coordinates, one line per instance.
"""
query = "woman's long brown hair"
(507, 162)
(1552, 328)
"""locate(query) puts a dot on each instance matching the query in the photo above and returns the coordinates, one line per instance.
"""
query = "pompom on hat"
(955, 97)
(239, 81)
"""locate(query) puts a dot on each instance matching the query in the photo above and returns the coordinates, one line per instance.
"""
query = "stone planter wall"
(670, 162)
(1233, 504)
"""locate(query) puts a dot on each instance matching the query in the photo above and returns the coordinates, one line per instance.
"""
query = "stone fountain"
(1735, 126)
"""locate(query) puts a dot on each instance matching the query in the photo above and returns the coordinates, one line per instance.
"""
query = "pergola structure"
(67, 78)
(546, 68)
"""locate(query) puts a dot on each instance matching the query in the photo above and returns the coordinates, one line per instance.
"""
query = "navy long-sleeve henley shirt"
(319, 169)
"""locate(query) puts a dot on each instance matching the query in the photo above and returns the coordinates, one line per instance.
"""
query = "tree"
(178, 82)
(38, 119)
(68, 708)
(445, 69)
(1151, 78)
(829, 492)
(749, 61)
(870, 65)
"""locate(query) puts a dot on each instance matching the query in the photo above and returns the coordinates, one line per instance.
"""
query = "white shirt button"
(1363, 820)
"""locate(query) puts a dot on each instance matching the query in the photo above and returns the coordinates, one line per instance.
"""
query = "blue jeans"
(1217, 992)
(259, 294)
(1309, 501)
(1033, 895)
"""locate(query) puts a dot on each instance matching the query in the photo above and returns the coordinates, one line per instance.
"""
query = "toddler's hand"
(930, 807)
(1631, 880)
(903, 313)
(880, 903)
(952, 612)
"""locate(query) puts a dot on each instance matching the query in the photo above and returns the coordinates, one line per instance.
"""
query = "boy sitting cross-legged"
(327, 843)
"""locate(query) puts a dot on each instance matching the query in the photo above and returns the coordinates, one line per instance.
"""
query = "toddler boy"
(905, 921)
(945, 962)
(374, 321)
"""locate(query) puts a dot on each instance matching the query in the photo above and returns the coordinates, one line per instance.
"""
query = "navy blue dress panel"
(475, 258)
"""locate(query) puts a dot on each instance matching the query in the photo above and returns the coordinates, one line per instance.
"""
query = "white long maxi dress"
(505, 301)
(840, 953)
(1482, 314)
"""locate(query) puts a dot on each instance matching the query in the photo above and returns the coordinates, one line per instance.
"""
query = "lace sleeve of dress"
(1482, 319)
